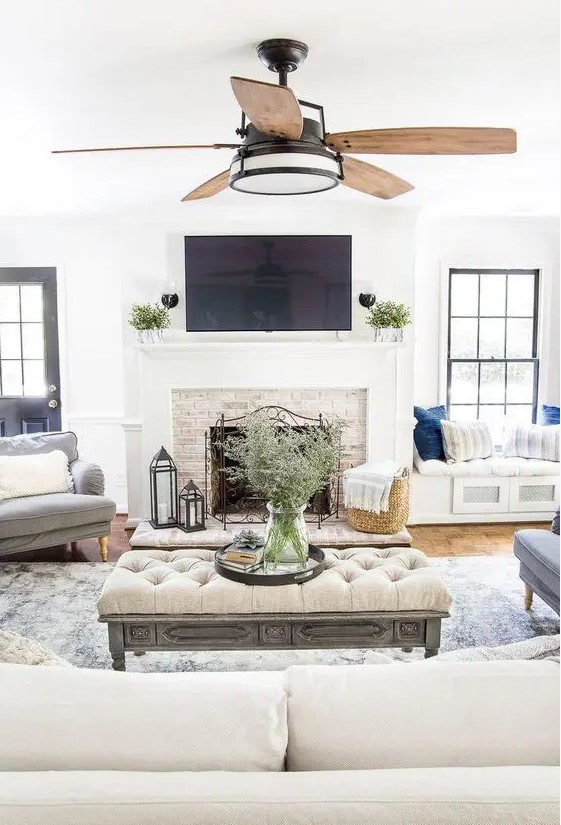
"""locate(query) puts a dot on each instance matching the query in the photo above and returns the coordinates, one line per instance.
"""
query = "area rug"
(54, 604)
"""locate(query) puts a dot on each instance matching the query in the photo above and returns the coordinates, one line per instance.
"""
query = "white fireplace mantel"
(361, 364)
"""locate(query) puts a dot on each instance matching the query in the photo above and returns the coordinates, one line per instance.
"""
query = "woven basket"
(385, 523)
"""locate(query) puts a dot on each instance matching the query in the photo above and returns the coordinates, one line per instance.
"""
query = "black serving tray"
(316, 563)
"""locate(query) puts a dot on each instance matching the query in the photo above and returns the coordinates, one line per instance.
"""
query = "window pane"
(9, 302)
(520, 295)
(458, 412)
(520, 383)
(32, 337)
(11, 377)
(495, 418)
(34, 378)
(31, 302)
(491, 338)
(10, 343)
(521, 414)
(493, 295)
(463, 385)
(463, 294)
(463, 338)
(492, 387)
(519, 332)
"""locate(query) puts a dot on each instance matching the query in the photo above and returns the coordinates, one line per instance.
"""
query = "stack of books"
(243, 559)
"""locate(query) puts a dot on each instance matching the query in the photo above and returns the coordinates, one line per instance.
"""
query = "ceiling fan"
(284, 152)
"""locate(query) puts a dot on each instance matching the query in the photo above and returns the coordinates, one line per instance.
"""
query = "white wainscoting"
(101, 439)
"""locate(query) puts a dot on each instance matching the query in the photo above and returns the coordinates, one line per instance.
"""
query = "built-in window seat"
(485, 489)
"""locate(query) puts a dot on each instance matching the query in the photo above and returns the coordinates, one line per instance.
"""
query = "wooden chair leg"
(528, 596)
(102, 541)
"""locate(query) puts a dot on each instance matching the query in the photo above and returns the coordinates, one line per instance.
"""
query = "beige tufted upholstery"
(355, 580)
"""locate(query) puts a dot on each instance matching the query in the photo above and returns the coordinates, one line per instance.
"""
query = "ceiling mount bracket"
(282, 56)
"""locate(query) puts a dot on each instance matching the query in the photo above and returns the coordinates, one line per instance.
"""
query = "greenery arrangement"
(388, 314)
(287, 466)
(144, 317)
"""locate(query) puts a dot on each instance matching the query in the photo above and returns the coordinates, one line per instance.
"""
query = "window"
(493, 346)
(22, 346)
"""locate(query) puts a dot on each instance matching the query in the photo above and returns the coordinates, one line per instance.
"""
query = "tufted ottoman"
(366, 597)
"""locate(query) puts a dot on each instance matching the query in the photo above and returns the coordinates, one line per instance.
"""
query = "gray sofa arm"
(88, 478)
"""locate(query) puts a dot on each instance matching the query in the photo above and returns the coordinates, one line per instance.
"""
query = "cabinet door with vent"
(481, 495)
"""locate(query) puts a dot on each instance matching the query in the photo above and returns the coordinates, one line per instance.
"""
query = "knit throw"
(367, 487)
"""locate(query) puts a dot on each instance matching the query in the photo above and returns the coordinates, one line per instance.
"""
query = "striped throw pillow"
(532, 441)
(465, 440)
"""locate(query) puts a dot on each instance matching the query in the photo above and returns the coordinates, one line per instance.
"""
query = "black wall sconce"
(170, 300)
(366, 299)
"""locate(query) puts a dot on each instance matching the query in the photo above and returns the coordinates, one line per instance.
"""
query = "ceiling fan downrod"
(282, 56)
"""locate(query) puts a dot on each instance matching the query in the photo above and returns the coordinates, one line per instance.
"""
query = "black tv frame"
(186, 238)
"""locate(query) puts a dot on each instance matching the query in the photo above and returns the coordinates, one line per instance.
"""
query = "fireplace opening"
(232, 500)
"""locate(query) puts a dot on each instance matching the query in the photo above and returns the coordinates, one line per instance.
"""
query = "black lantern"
(191, 508)
(163, 491)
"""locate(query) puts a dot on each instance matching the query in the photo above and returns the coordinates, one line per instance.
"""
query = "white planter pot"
(388, 334)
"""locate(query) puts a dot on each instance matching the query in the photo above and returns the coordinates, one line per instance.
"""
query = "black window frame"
(534, 359)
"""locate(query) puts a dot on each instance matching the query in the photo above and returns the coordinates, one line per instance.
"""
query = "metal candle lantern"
(191, 508)
(163, 491)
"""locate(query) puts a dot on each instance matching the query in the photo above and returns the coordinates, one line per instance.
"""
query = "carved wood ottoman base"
(142, 633)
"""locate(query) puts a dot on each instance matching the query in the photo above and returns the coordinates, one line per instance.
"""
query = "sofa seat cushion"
(456, 714)
(56, 511)
(538, 550)
(61, 719)
(496, 465)
(363, 579)
(501, 796)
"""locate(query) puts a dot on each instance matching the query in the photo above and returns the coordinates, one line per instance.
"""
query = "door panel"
(29, 354)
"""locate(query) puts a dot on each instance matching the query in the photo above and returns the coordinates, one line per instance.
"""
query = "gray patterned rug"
(54, 604)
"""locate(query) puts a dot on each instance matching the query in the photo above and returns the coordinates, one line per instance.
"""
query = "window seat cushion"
(496, 465)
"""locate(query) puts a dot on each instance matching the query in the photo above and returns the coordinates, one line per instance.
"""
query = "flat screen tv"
(240, 283)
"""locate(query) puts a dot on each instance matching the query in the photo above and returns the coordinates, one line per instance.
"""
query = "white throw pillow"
(34, 475)
(532, 441)
(466, 440)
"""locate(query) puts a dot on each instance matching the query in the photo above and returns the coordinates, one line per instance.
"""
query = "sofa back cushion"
(427, 434)
(423, 715)
(83, 720)
(34, 475)
(40, 443)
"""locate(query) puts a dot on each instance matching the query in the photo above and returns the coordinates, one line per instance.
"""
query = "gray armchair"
(538, 551)
(34, 522)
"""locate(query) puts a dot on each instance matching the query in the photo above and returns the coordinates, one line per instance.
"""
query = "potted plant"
(150, 321)
(388, 319)
(287, 466)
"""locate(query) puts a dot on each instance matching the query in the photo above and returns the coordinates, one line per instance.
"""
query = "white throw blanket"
(367, 487)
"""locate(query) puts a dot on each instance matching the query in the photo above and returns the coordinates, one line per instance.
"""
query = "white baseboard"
(477, 518)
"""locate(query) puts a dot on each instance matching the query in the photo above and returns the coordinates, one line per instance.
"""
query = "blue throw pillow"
(428, 433)
(548, 415)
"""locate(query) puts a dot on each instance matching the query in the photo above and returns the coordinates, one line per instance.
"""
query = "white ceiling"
(107, 72)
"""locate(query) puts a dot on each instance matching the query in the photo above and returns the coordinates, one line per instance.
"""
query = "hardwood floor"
(434, 540)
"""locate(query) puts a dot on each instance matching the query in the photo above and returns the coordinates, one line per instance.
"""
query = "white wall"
(521, 242)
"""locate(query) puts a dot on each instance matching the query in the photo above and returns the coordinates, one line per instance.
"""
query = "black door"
(29, 362)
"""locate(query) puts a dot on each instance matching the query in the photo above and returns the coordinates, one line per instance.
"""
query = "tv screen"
(268, 282)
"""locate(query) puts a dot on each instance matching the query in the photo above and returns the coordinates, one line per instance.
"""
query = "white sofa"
(484, 489)
(427, 743)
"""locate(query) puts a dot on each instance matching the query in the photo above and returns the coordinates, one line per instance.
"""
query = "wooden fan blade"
(371, 180)
(274, 110)
(429, 141)
(143, 148)
(209, 188)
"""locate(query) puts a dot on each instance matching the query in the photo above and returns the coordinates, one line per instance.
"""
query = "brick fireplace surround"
(195, 410)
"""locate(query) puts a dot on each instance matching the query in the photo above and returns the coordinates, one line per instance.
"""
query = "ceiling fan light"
(284, 172)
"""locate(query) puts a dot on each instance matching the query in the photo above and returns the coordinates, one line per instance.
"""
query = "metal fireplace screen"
(232, 500)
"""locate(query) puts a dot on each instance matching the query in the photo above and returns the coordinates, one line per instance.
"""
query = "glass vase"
(286, 540)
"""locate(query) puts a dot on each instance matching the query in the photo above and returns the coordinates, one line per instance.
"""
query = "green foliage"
(388, 314)
(286, 465)
(149, 316)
